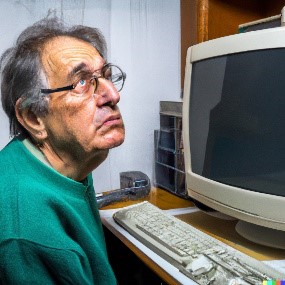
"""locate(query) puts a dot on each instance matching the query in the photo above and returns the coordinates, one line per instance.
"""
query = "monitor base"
(261, 235)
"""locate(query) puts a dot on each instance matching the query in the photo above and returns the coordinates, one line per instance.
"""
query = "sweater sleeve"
(25, 262)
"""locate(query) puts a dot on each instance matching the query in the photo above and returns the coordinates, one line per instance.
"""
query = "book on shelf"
(265, 23)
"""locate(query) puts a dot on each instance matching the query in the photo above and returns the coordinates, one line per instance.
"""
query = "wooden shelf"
(203, 20)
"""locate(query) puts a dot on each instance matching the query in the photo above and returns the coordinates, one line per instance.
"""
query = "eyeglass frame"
(95, 77)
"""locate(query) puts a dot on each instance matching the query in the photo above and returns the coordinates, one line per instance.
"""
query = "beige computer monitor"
(234, 130)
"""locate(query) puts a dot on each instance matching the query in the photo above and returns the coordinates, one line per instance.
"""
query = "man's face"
(79, 124)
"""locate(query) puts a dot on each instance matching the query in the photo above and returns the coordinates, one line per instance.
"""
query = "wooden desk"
(162, 199)
(158, 197)
(223, 230)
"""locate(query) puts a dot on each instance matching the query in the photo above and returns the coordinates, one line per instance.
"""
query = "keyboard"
(202, 258)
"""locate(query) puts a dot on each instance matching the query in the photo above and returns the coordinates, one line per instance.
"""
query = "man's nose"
(108, 94)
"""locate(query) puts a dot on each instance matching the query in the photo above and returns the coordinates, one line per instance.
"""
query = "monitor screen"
(237, 120)
(234, 126)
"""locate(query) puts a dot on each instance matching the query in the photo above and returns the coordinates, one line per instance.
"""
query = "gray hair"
(22, 71)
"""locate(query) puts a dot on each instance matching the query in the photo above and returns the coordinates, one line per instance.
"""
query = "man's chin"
(116, 143)
(114, 139)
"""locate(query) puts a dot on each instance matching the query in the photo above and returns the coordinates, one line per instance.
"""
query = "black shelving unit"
(169, 157)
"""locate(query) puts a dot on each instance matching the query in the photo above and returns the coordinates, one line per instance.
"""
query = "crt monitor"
(234, 130)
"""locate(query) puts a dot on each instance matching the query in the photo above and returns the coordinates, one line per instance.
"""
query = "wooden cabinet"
(203, 20)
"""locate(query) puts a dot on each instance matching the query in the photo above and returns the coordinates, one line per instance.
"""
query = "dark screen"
(237, 120)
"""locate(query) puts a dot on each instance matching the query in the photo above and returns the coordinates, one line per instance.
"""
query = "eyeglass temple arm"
(48, 91)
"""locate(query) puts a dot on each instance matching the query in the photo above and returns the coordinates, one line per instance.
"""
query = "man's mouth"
(112, 120)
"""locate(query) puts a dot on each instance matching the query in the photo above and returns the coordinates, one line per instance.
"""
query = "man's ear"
(31, 122)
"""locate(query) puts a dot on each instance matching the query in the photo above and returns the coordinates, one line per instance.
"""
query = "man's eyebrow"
(80, 68)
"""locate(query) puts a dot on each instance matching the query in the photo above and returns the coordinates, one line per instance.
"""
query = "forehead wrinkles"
(64, 52)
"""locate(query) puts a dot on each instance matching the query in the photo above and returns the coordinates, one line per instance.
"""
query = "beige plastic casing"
(258, 208)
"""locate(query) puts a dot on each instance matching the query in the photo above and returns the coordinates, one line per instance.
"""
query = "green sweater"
(50, 229)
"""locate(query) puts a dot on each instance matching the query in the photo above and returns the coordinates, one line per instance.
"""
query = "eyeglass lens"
(115, 75)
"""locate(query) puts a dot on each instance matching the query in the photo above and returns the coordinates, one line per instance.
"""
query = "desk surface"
(158, 197)
(223, 230)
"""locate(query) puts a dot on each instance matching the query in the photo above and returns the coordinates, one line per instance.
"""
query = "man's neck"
(69, 166)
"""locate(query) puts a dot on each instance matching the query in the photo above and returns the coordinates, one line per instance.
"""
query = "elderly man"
(61, 96)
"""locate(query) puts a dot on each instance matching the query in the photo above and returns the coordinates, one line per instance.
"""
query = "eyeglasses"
(109, 72)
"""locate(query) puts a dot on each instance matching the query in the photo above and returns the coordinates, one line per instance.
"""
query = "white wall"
(143, 38)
